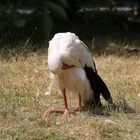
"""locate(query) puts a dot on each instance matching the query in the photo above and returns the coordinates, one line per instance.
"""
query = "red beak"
(65, 66)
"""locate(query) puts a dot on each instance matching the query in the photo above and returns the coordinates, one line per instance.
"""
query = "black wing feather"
(98, 86)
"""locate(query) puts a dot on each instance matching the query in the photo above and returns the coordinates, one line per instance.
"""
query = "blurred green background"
(37, 21)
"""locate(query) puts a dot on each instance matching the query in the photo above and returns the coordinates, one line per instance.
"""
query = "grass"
(24, 78)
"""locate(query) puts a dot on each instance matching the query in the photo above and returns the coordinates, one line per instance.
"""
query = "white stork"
(71, 62)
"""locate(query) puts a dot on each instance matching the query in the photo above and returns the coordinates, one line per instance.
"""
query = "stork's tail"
(98, 86)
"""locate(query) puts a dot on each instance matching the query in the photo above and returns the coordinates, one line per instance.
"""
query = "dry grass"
(23, 79)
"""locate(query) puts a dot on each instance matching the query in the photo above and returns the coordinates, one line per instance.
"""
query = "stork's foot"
(64, 113)
(80, 109)
(50, 112)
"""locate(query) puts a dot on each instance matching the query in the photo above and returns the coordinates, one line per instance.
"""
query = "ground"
(24, 78)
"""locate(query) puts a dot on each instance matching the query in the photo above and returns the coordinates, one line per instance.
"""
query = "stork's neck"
(65, 66)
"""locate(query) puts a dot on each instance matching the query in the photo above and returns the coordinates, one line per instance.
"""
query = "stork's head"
(55, 64)
(60, 52)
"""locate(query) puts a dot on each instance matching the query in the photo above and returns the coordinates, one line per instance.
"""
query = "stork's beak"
(65, 66)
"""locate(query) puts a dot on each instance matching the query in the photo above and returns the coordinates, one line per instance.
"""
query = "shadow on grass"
(119, 107)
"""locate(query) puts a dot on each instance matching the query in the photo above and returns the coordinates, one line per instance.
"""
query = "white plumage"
(67, 58)
(67, 48)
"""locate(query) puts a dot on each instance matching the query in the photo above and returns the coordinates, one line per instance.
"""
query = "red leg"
(80, 106)
(65, 112)
(79, 101)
